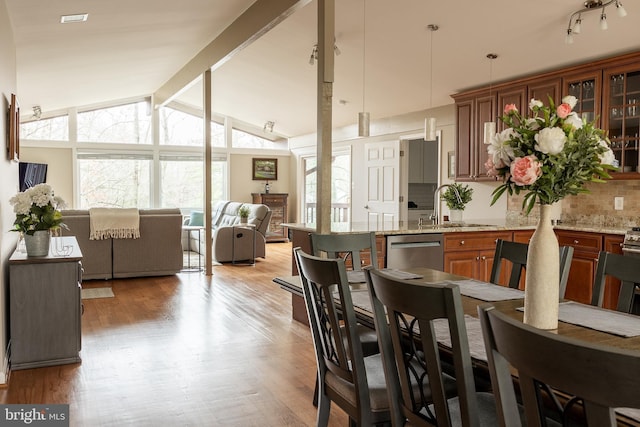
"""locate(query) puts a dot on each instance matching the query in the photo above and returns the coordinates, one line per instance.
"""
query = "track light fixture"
(268, 126)
(37, 112)
(575, 20)
(314, 53)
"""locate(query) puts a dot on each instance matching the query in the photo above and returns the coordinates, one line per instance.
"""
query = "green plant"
(243, 212)
(456, 196)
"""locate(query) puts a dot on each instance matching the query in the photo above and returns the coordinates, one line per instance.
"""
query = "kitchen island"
(468, 248)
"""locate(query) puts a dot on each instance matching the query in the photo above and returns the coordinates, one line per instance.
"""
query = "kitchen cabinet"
(608, 91)
(45, 308)
(586, 246)
(612, 243)
(471, 254)
(471, 152)
(621, 116)
(586, 86)
(423, 162)
(277, 202)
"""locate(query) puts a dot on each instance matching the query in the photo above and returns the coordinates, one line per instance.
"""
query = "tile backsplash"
(593, 208)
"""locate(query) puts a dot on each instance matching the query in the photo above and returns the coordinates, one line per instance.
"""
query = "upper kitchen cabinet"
(516, 95)
(607, 90)
(423, 161)
(587, 88)
(542, 90)
(471, 152)
(621, 116)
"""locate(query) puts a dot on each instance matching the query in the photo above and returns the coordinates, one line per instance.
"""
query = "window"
(243, 139)
(340, 187)
(114, 181)
(53, 129)
(129, 124)
(185, 129)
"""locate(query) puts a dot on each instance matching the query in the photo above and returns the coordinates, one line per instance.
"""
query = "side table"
(198, 229)
(240, 233)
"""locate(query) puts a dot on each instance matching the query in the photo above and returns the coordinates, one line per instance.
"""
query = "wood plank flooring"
(187, 350)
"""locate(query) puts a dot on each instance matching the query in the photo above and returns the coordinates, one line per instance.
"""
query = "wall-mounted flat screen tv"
(32, 174)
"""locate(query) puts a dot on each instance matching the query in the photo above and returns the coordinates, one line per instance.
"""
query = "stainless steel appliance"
(415, 250)
(631, 244)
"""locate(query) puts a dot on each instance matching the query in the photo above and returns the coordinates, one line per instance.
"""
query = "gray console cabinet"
(45, 308)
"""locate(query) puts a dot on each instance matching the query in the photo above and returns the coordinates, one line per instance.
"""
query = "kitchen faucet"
(436, 201)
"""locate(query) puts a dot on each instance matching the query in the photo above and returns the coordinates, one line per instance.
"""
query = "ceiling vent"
(70, 19)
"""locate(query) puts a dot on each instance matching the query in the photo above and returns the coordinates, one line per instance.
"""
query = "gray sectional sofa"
(158, 251)
(224, 217)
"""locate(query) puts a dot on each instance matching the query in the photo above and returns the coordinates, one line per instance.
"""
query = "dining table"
(586, 323)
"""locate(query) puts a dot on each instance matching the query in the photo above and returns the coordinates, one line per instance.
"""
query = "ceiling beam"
(259, 18)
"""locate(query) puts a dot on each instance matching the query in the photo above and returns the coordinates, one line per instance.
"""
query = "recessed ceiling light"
(70, 19)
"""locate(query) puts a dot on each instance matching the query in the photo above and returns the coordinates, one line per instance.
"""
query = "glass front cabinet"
(622, 116)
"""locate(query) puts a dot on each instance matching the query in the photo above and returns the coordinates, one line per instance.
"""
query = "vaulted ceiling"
(130, 48)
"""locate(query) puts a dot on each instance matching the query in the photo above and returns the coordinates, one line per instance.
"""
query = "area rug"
(91, 293)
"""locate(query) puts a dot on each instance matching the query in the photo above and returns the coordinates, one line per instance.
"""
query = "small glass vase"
(542, 291)
(37, 244)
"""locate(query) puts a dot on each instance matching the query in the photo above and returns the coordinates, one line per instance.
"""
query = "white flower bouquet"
(36, 209)
(550, 155)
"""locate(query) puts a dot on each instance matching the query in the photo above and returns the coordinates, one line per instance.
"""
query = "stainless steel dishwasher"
(415, 250)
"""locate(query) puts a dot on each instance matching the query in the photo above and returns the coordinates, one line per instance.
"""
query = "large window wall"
(120, 161)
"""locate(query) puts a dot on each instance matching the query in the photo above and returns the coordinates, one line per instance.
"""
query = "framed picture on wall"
(451, 157)
(265, 169)
(13, 134)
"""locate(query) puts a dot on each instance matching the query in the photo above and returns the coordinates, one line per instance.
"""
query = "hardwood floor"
(187, 350)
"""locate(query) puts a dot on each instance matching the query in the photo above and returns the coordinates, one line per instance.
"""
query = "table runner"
(357, 276)
(600, 319)
(486, 291)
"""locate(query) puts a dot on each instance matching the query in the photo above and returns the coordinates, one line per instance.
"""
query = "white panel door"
(383, 184)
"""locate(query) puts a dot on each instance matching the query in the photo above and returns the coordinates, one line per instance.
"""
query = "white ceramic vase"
(542, 292)
(455, 215)
(38, 243)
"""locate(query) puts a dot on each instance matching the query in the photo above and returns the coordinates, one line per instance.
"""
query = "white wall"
(8, 175)
(59, 169)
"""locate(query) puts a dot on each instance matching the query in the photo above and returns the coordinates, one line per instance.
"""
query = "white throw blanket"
(114, 223)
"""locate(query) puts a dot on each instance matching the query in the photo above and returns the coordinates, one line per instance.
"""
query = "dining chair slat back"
(345, 376)
(420, 389)
(624, 268)
(598, 375)
(345, 246)
(516, 254)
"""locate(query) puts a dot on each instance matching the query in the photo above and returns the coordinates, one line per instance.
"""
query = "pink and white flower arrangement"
(550, 155)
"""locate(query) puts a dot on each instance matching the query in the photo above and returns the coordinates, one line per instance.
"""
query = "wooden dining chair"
(351, 246)
(345, 376)
(624, 268)
(599, 375)
(346, 246)
(421, 392)
(516, 254)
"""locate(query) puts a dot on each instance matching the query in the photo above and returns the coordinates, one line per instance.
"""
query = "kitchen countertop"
(413, 227)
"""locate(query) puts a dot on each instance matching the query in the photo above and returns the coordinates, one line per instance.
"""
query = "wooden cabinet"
(612, 243)
(423, 162)
(277, 202)
(621, 116)
(45, 308)
(583, 266)
(608, 91)
(586, 86)
(471, 152)
(471, 254)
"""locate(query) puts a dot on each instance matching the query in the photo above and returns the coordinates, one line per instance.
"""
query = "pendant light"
(490, 127)
(363, 116)
(430, 122)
